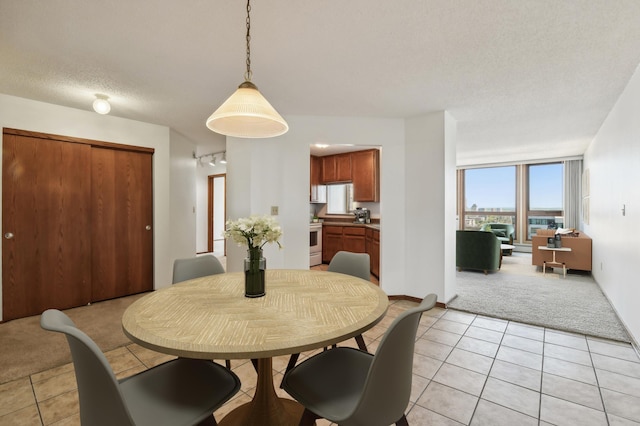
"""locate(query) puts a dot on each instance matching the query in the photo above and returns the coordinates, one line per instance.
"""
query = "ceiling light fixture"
(202, 161)
(101, 104)
(246, 113)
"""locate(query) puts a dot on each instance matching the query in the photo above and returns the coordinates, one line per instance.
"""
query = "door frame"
(210, 208)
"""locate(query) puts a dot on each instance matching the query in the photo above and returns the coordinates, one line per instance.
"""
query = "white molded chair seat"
(354, 388)
(179, 392)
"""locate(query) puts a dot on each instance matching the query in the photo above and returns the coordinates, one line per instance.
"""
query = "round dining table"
(210, 318)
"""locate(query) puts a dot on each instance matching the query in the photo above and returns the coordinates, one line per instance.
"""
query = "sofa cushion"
(500, 232)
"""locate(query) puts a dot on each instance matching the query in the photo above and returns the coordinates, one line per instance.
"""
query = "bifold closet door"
(121, 223)
(46, 242)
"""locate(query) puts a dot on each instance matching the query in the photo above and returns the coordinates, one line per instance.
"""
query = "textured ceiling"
(524, 79)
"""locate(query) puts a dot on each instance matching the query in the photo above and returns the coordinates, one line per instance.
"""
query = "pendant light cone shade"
(247, 114)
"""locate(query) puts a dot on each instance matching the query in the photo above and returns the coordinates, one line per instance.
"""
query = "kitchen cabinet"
(365, 172)
(317, 191)
(353, 239)
(331, 242)
(336, 168)
(373, 250)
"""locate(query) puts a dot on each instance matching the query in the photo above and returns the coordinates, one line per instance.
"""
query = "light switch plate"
(274, 210)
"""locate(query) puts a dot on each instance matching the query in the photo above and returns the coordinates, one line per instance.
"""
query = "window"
(489, 196)
(545, 200)
(340, 198)
(527, 194)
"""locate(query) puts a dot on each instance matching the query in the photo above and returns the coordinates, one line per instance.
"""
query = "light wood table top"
(209, 318)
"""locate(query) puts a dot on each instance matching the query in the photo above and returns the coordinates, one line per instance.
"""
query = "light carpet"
(519, 292)
(27, 349)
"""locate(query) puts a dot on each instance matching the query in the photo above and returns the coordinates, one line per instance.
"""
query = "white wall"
(431, 205)
(203, 171)
(183, 198)
(275, 171)
(25, 114)
(613, 161)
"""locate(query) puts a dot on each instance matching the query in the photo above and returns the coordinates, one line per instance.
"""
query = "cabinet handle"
(148, 227)
(8, 235)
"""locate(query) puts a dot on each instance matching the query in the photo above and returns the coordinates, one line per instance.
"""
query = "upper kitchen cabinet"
(336, 168)
(317, 191)
(365, 172)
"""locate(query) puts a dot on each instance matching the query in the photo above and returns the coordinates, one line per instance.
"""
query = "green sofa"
(477, 250)
(504, 231)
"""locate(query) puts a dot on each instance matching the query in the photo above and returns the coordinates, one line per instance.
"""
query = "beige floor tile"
(16, 395)
(440, 336)
(490, 323)
(425, 366)
(620, 421)
(520, 357)
(457, 316)
(470, 361)
(570, 370)
(568, 354)
(571, 390)
(247, 375)
(418, 385)
(55, 385)
(523, 343)
(47, 374)
(613, 349)
(565, 339)
(121, 359)
(26, 416)
(489, 414)
(59, 407)
(621, 405)
(616, 365)
(484, 334)
(448, 402)
(525, 330)
(618, 382)
(450, 326)
(239, 399)
(516, 374)
(560, 412)
(432, 349)
(69, 421)
(460, 378)
(512, 396)
(478, 346)
(422, 416)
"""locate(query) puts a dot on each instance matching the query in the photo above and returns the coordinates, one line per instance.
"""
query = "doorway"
(217, 214)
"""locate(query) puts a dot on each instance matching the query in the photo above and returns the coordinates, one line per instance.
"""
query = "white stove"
(315, 244)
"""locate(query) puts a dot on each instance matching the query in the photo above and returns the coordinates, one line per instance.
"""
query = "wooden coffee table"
(209, 318)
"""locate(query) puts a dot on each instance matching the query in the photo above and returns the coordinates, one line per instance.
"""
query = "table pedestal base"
(266, 408)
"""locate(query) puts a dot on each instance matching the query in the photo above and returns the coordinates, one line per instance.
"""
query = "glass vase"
(254, 266)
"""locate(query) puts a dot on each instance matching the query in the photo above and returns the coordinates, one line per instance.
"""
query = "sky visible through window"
(494, 188)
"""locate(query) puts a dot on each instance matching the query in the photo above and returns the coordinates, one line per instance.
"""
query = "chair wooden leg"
(308, 418)
(403, 421)
(361, 344)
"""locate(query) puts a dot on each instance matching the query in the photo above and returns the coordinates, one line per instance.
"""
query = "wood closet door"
(122, 213)
(46, 244)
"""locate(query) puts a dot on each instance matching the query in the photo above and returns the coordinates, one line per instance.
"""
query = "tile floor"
(468, 370)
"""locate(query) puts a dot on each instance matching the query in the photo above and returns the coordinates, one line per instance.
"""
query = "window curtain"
(572, 193)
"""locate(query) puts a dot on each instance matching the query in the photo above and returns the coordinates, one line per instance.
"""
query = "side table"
(553, 260)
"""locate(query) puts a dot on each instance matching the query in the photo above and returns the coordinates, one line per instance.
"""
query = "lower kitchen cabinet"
(356, 239)
(373, 249)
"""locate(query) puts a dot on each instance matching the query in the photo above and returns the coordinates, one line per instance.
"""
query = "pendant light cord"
(247, 76)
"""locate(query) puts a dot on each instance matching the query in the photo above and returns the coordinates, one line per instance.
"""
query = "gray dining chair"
(354, 264)
(196, 267)
(354, 388)
(179, 392)
(349, 263)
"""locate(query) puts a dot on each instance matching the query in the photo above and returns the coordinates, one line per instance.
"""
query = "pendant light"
(246, 113)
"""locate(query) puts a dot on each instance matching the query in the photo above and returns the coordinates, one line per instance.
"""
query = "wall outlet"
(274, 210)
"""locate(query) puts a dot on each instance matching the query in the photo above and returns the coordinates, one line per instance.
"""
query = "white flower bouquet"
(254, 231)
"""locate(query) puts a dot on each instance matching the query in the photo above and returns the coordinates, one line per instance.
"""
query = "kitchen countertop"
(375, 226)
